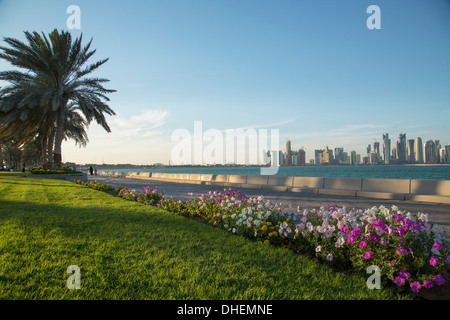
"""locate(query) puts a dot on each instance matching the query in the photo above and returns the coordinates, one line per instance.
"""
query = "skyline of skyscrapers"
(412, 151)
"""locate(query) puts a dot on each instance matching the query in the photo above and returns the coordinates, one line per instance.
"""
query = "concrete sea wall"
(435, 191)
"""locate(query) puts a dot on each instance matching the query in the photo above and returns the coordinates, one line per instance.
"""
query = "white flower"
(329, 257)
(319, 248)
(340, 242)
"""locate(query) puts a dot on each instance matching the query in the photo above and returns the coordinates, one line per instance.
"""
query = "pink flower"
(437, 245)
(399, 280)
(404, 274)
(402, 251)
(415, 286)
(434, 261)
(363, 244)
(428, 284)
(368, 255)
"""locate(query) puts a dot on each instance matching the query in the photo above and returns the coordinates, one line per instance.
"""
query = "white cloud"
(135, 138)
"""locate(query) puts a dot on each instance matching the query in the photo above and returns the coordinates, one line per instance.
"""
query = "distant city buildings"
(405, 151)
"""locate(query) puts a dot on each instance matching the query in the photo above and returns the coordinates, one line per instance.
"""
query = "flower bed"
(95, 185)
(411, 253)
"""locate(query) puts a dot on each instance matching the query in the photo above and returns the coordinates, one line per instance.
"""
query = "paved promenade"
(438, 213)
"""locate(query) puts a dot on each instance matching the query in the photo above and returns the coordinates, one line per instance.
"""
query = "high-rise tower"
(419, 150)
(401, 149)
(411, 151)
(386, 149)
(288, 153)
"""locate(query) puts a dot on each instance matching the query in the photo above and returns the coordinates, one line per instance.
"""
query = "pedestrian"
(91, 170)
(95, 170)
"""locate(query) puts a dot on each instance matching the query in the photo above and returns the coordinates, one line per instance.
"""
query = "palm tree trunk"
(1, 155)
(59, 133)
(43, 158)
(50, 143)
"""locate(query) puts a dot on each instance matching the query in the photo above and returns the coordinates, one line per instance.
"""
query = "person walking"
(91, 170)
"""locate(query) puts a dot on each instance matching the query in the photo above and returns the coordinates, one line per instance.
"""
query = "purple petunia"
(428, 284)
(374, 237)
(399, 280)
(402, 251)
(401, 230)
(368, 255)
(439, 279)
(405, 274)
(379, 223)
(415, 286)
(434, 261)
(437, 245)
(363, 244)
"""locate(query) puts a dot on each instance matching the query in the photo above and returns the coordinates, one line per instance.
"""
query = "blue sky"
(311, 69)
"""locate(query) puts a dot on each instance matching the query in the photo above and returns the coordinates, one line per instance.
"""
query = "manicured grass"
(127, 250)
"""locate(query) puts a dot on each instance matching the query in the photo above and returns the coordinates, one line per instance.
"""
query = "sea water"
(435, 172)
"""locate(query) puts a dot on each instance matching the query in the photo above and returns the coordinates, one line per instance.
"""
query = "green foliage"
(42, 170)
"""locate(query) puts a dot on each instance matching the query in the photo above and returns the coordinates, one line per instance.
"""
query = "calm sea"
(435, 172)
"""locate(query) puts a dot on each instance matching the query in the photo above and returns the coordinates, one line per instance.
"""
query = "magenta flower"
(368, 255)
(383, 241)
(404, 274)
(401, 230)
(399, 281)
(379, 223)
(437, 245)
(428, 284)
(402, 251)
(412, 253)
(439, 279)
(415, 286)
(363, 244)
(374, 237)
(434, 261)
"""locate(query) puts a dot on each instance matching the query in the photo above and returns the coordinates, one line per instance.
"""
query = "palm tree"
(53, 86)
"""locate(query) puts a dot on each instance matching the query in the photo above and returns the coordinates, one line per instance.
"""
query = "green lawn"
(127, 250)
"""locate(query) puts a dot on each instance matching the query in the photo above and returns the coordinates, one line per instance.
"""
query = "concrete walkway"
(438, 213)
